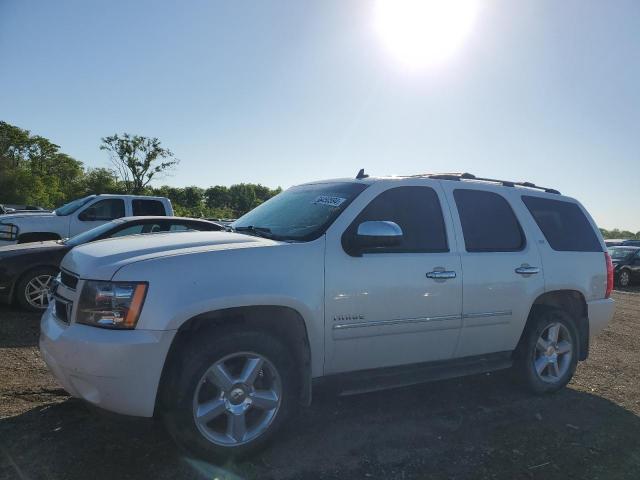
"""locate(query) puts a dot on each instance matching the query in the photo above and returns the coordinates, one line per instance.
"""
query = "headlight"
(111, 304)
(8, 231)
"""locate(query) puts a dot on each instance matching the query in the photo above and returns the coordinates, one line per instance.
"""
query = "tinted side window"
(488, 222)
(132, 230)
(563, 224)
(141, 228)
(108, 209)
(193, 227)
(148, 208)
(417, 212)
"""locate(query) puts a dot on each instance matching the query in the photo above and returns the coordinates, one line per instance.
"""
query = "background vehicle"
(354, 281)
(614, 242)
(12, 208)
(26, 270)
(631, 243)
(626, 262)
(78, 216)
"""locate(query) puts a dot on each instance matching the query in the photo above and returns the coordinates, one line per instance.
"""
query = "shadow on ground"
(477, 427)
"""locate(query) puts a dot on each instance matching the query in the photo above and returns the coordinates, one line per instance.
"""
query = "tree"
(137, 159)
(217, 197)
(33, 170)
(100, 180)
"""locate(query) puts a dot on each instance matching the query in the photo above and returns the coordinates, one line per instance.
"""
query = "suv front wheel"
(230, 394)
(547, 356)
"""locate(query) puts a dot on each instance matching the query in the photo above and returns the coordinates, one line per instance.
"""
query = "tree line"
(34, 171)
(617, 233)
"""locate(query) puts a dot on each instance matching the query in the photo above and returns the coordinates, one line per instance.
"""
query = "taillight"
(607, 259)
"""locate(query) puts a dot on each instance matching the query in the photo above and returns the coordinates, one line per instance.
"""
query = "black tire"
(525, 356)
(21, 287)
(184, 376)
(623, 280)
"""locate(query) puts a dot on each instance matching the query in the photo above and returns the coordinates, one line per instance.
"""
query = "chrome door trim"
(401, 321)
(500, 313)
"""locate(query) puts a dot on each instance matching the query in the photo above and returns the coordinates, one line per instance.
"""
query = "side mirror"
(374, 234)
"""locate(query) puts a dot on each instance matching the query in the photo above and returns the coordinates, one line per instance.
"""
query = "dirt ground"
(473, 428)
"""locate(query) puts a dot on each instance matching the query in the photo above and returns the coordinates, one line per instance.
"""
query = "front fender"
(184, 286)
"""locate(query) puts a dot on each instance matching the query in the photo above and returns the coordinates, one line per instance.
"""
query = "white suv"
(366, 283)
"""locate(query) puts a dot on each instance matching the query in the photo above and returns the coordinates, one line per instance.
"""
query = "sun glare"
(424, 33)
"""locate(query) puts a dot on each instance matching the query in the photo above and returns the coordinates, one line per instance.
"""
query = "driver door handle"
(441, 274)
(527, 270)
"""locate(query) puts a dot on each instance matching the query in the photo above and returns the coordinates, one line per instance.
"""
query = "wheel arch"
(573, 303)
(285, 322)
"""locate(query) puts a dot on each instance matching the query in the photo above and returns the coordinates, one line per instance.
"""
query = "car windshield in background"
(91, 235)
(618, 253)
(71, 207)
(301, 213)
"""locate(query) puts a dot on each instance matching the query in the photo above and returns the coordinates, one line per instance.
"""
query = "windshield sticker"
(329, 200)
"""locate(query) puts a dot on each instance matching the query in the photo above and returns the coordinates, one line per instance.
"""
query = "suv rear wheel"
(231, 393)
(547, 356)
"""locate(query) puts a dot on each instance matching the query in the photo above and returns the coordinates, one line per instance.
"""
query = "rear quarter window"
(563, 224)
(488, 222)
(152, 208)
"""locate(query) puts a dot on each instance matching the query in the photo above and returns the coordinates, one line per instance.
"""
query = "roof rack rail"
(470, 176)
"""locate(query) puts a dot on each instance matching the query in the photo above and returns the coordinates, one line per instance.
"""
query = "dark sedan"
(626, 264)
(27, 269)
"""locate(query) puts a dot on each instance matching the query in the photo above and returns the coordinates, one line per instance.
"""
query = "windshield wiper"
(258, 231)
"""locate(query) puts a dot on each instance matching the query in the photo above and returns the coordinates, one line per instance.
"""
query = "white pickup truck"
(78, 216)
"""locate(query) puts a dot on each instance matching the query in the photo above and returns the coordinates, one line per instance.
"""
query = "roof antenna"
(361, 174)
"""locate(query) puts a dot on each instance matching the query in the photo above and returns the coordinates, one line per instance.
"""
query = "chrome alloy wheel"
(624, 279)
(552, 357)
(236, 399)
(36, 291)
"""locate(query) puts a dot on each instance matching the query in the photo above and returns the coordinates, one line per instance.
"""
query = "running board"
(373, 380)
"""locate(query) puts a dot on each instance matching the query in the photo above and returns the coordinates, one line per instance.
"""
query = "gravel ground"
(473, 428)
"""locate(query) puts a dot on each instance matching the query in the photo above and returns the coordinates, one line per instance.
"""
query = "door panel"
(96, 214)
(496, 299)
(380, 308)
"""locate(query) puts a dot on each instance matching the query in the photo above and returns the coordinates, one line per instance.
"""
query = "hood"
(102, 259)
(11, 217)
(30, 247)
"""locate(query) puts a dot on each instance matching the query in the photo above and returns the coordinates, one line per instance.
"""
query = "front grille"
(68, 280)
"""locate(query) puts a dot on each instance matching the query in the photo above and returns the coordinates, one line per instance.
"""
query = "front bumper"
(115, 370)
(600, 314)
(4, 243)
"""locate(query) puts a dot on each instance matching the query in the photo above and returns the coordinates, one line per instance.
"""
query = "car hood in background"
(26, 248)
(101, 260)
(10, 217)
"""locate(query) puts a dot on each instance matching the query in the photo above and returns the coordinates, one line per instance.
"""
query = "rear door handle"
(526, 270)
(441, 274)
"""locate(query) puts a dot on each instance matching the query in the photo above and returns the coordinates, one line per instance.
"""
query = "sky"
(285, 92)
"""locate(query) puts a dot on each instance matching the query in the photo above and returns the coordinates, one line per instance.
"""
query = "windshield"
(300, 213)
(620, 253)
(69, 208)
(91, 235)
